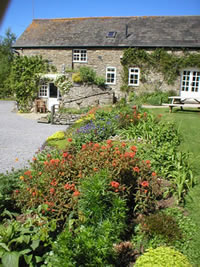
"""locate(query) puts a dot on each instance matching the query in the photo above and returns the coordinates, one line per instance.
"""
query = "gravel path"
(20, 137)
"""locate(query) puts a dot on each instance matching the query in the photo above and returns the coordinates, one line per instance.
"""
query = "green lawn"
(188, 123)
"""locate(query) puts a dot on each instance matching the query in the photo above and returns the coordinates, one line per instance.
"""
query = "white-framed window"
(43, 91)
(110, 75)
(79, 55)
(190, 81)
(134, 76)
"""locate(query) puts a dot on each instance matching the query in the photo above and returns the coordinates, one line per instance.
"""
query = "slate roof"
(158, 31)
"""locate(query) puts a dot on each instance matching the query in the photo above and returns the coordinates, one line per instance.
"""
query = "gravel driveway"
(20, 137)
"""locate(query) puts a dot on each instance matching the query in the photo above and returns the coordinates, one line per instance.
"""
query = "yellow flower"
(16, 159)
(21, 177)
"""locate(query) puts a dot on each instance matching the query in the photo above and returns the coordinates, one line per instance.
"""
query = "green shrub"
(169, 227)
(56, 136)
(163, 225)
(8, 183)
(163, 257)
(100, 81)
(101, 221)
(87, 74)
(54, 181)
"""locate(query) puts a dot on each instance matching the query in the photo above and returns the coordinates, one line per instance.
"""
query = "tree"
(25, 78)
(6, 59)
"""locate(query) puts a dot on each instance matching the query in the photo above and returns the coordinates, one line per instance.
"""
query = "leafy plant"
(25, 242)
(101, 220)
(88, 75)
(162, 256)
(25, 78)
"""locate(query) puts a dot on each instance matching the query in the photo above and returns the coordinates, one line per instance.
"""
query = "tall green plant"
(6, 58)
(25, 78)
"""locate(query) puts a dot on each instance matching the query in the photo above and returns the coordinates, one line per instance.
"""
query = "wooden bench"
(177, 101)
(40, 106)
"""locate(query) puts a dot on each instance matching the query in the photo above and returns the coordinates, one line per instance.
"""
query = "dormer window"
(111, 34)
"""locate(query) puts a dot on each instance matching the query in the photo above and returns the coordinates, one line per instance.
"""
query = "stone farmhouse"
(100, 42)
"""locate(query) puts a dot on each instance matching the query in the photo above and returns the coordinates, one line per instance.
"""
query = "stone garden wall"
(83, 95)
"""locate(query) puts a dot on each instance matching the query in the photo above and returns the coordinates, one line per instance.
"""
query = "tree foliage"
(25, 79)
(6, 58)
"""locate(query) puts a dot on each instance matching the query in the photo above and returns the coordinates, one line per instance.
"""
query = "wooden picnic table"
(178, 101)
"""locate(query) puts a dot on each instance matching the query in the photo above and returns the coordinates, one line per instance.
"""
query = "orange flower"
(28, 173)
(69, 139)
(84, 146)
(123, 144)
(145, 184)
(136, 169)
(65, 154)
(153, 174)
(67, 186)
(114, 184)
(134, 148)
(76, 193)
(95, 169)
(148, 161)
(109, 142)
(52, 190)
(34, 159)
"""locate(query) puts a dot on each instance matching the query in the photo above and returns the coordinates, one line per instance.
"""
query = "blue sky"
(21, 12)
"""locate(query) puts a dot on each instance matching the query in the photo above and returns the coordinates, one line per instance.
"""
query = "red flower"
(34, 194)
(145, 184)
(153, 174)
(103, 147)
(109, 142)
(95, 169)
(114, 184)
(136, 169)
(132, 154)
(148, 161)
(34, 159)
(65, 154)
(16, 191)
(123, 144)
(69, 139)
(84, 146)
(76, 193)
(96, 145)
(67, 186)
(54, 183)
(134, 148)
(27, 173)
(52, 190)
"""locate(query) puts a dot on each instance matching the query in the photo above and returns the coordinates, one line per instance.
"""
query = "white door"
(53, 96)
(190, 84)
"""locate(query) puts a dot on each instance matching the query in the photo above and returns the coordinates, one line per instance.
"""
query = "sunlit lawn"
(188, 123)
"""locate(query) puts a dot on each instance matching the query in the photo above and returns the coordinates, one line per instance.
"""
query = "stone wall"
(98, 59)
(101, 58)
(83, 95)
(65, 119)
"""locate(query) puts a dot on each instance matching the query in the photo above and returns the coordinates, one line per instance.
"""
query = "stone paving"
(21, 137)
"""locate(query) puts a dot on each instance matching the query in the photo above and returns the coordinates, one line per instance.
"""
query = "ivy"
(167, 63)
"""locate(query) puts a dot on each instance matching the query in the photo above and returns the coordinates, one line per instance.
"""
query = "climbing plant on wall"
(25, 77)
(168, 63)
(63, 83)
